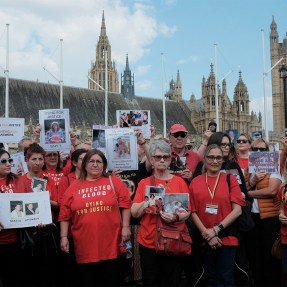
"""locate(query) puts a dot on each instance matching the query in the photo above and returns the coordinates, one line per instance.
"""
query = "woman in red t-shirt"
(97, 207)
(214, 207)
(158, 269)
(9, 239)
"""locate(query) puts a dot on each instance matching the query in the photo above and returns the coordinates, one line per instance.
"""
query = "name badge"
(211, 208)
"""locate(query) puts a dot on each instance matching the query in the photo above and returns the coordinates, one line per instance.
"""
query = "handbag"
(276, 251)
(172, 239)
(244, 221)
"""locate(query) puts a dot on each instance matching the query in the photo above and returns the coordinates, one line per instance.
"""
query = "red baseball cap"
(177, 128)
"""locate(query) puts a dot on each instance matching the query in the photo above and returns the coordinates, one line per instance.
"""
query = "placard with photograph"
(11, 130)
(176, 203)
(273, 146)
(135, 119)
(178, 164)
(264, 161)
(256, 135)
(121, 149)
(154, 199)
(55, 127)
(99, 137)
(234, 172)
(38, 184)
(25, 209)
(19, 165)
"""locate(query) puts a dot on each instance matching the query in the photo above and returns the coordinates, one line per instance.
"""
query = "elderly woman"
(265, 210)
(158, 269)
(98, 209)
(55, 134)
(214, 207)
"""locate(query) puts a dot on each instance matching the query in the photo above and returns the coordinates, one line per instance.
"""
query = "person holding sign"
(158, 269)
(97, 208)
(9, 239)
(213, 210)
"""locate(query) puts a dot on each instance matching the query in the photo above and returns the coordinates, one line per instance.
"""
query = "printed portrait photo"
(54, 131)
(16, 208)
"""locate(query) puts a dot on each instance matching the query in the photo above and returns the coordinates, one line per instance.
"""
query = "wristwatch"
(220, 225)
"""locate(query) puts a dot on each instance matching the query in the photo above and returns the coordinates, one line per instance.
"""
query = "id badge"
(211, 208)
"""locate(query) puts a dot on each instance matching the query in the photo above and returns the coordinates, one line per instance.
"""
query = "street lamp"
(283, 75)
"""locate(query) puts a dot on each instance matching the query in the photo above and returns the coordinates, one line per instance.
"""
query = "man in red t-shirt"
(178, 135)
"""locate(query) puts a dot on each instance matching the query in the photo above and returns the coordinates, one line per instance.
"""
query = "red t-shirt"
(16, 185)
(243, 162)
(92, 208)
(147, 231)
(200, 197)
(54, 175)
(283, 198)
(64, 183)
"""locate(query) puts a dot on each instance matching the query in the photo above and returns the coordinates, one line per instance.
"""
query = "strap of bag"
(228, 181)
(113, 188)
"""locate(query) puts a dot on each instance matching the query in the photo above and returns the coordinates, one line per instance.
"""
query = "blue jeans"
(219, 266)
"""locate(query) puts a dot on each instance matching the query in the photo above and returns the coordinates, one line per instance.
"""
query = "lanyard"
(212, 192)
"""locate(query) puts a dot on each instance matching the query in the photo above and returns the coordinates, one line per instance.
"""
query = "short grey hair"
(160, 145)
(20, 143)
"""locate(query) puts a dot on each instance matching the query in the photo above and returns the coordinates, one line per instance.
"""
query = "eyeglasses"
(225, 145)
(259, 149)
(179, 134)
(242, 141)
(51, 155)
(92, 161)
(159, 157)
(211, 158)
(5, 160)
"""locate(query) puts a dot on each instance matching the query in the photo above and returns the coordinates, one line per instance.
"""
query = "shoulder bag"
(172, 239)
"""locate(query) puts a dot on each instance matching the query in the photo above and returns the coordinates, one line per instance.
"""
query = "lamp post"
(163, 98)
(283, 75)
(7, 75)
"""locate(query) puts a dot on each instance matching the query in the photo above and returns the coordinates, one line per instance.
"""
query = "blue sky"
(185, 31)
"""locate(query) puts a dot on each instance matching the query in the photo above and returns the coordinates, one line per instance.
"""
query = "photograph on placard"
(19, 165)
(38, 184)
(55, 127)
(99, 137)
(263, 161)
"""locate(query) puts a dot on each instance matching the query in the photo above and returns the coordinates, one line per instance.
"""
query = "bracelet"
(215, 232)
(220, 225)
(126, 226)
(63, 236)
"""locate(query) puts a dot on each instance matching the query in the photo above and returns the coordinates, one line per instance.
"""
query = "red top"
(147, 231)
(64, 183)
(243, 162)
(54, 175)
(200, 196)
(16, 185)
(92, 208)
(283, 198)
(67, 167)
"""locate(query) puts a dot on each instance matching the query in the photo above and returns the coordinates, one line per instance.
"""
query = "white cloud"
(143, 70)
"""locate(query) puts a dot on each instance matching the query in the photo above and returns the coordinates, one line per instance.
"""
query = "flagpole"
(61, 75)
(163, 97)
(7, 75)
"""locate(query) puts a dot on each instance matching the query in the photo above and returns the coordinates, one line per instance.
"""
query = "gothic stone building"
(233, 115)
(279, 79)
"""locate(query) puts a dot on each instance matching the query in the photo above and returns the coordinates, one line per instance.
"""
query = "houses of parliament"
(87, 105)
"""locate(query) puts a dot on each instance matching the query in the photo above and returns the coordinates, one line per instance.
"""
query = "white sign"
(55, 127)
(135, 119)
(11, 129)
(25, 209)
(121, 149)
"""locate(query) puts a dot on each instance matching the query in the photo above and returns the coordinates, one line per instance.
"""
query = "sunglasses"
(211, 158)
(51, 155)
(225, 145)
(159, 157)
(179, 134)
(242, 141)
(259, 149)
(5, 160)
